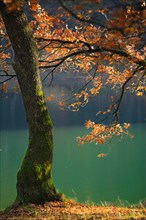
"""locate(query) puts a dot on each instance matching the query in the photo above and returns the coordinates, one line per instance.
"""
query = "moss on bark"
(34, 180)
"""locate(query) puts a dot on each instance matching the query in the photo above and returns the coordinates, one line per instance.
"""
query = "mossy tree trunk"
(34, 180)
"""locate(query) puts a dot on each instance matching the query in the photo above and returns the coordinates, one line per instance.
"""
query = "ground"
(70, 210)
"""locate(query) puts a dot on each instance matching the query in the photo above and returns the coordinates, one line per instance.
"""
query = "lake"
(77, 172)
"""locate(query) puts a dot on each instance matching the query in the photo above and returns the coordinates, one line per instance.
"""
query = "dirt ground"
(71, 210)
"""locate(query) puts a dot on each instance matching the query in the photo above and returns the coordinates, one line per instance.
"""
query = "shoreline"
(71, 210)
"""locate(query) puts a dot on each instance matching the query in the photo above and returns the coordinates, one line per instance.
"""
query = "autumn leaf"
(48, 49)
(89, 124)
(101, 155)
(61, 103)
(98, 113)
(13, 5)
(139, 93)
(126, 125)
(7, 1)
(5, 87)
(78, 7)
(50, 97)
(33, 4)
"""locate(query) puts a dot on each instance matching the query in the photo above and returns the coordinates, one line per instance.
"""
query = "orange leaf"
(49, 98)
(33, 4)
(101, 155)
(5, 87)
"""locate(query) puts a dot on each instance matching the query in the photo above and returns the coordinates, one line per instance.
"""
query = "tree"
(106, 43)
(34, 180)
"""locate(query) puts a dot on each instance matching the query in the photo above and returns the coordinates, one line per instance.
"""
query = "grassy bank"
(71, 210)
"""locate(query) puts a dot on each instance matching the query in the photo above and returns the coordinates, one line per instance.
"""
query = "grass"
(71, 210)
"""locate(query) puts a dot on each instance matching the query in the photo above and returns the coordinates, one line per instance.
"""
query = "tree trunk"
(34, 180)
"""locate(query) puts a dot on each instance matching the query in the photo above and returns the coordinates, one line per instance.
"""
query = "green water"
(77, 172)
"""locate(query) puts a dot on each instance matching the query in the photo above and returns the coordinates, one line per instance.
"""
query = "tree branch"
(7, 75)
(118, 102)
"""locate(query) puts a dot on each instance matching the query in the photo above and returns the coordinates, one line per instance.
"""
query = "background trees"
(107, 44)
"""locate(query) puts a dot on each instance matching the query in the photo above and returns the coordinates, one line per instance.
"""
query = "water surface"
(77, 172)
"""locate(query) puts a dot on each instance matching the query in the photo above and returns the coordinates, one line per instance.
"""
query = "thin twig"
(118, 102)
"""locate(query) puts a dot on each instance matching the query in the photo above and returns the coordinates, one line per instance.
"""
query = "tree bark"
(34, 179)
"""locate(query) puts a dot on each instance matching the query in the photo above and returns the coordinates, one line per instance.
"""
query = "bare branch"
(118, 102)
(7, 76)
